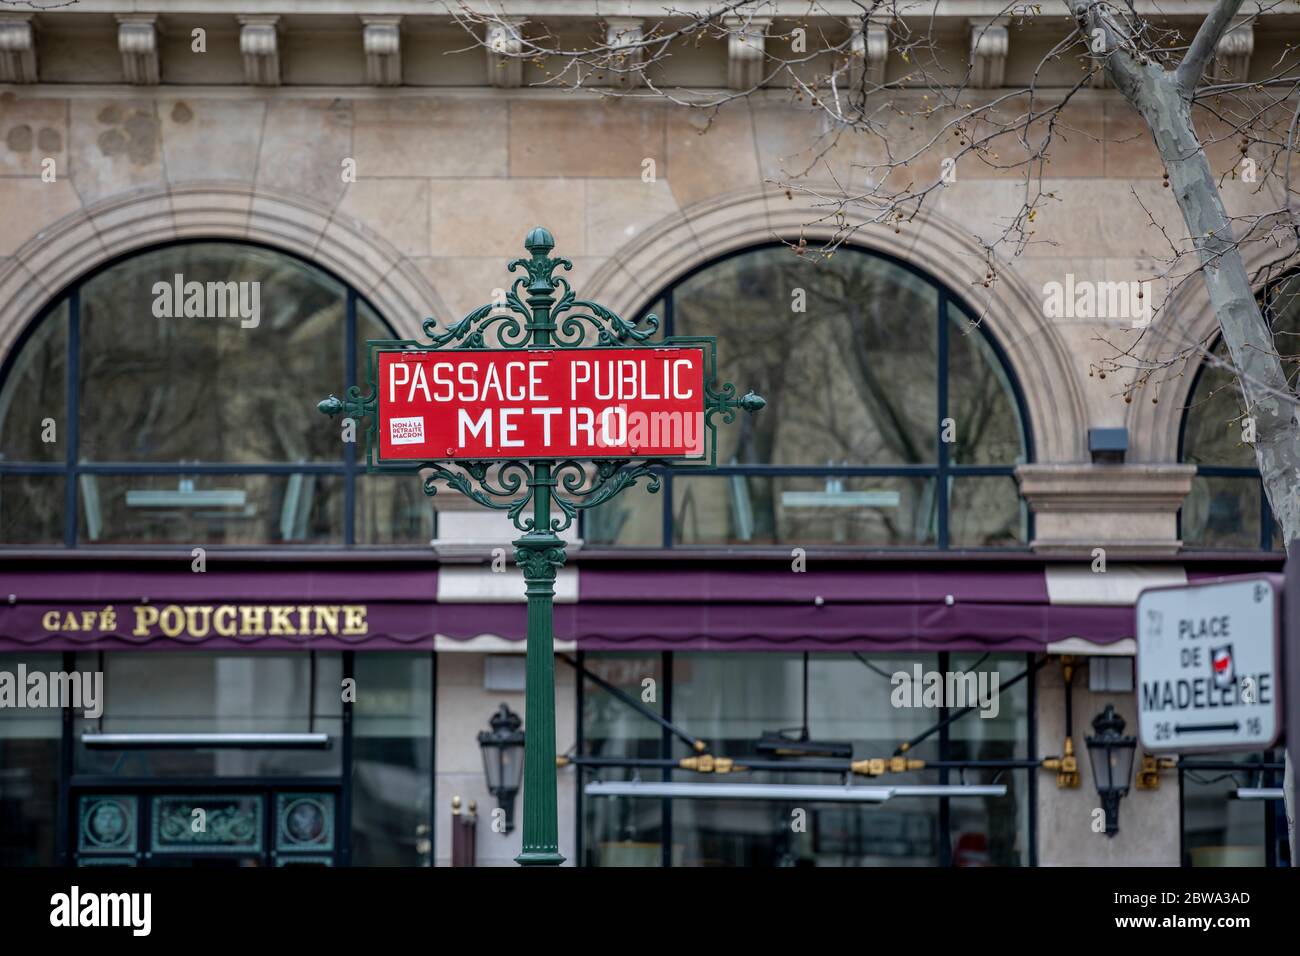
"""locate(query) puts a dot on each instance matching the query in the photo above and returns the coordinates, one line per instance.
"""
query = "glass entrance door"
(224, 827)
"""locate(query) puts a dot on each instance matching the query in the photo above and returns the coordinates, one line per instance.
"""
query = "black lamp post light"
(503, 759)
(1111, 754)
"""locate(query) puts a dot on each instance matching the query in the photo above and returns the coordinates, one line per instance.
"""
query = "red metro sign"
(535, 403)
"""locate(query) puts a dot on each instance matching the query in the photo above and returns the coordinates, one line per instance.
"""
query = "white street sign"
(1208, 667)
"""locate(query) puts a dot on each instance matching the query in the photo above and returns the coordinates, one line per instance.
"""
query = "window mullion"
(72, 430)
(941, 491)
(349, 448)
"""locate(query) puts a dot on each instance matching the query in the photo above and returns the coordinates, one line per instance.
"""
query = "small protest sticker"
(406, 431)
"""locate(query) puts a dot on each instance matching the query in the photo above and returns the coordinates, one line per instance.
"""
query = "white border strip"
(493, 644)
(479, 585)
(1117, 586)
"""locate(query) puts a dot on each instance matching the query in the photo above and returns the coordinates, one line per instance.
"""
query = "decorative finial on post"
(539, 242)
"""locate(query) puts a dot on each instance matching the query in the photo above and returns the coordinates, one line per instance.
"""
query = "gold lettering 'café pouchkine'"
(222, 620)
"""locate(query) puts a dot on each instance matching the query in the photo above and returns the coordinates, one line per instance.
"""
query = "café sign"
(198, 621)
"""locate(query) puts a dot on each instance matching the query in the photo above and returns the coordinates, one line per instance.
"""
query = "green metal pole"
(540, 553)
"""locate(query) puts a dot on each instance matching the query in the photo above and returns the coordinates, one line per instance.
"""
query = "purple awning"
(852, 609)
(664, 606)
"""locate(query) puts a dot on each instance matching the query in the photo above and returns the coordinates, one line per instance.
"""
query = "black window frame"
(942, 471)
(665, 750)
(1267, 523)
(349, 467)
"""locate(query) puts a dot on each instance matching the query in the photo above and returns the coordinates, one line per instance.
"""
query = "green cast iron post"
(569, 484)
(540, 554)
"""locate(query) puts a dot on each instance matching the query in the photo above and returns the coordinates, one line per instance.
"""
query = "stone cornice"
(1119, 509)
(1120, 488)
(382, 27)
(598, 9)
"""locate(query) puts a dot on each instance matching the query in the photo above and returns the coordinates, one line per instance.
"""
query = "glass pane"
(369, 326)
(392, 771)
(986, 511)
(981, 404)
(1219, 830)
(211, 509)
(752, 509)
(34, 394)
(231, 373)
(1281, 308)
(621, 831)
(992, 831)
(215, 692)
(633, 518)
(1212, 433)
(29, 772)
(1222, 513)
(732, 700)
(31, 509)
(393, 509)
(845, 351)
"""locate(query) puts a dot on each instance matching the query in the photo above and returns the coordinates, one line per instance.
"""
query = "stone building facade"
(382, 145)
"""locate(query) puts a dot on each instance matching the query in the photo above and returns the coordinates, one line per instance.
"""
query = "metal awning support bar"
(709, 764)
(699, 746)
(789, 791)
(951, 790)
(737, 791)
(223, 741)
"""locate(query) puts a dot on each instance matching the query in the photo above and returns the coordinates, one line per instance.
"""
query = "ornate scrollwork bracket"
(540, 310)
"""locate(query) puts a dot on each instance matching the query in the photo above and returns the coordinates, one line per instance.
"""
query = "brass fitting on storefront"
(1148, 775)
(1066, 767)
(700, 746)
(875, 766)
(1067, 667)
(707, 763)
(562, 761)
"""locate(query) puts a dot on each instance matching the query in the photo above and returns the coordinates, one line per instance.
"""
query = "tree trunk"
(1164, 100)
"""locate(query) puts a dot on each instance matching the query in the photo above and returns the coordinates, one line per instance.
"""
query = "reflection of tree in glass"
(157, 379)
(849, 380)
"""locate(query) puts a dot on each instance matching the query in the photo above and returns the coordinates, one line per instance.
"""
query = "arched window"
(1227, 507)
(169, 398)
(881, 391)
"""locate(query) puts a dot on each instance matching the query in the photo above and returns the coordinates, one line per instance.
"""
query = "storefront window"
(1232, 813)
(623, 832)
(392, 759)
(891, 420)
(221, 693)
(177, 352)
(29, 772)
(1227, 507)
(740, 704)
